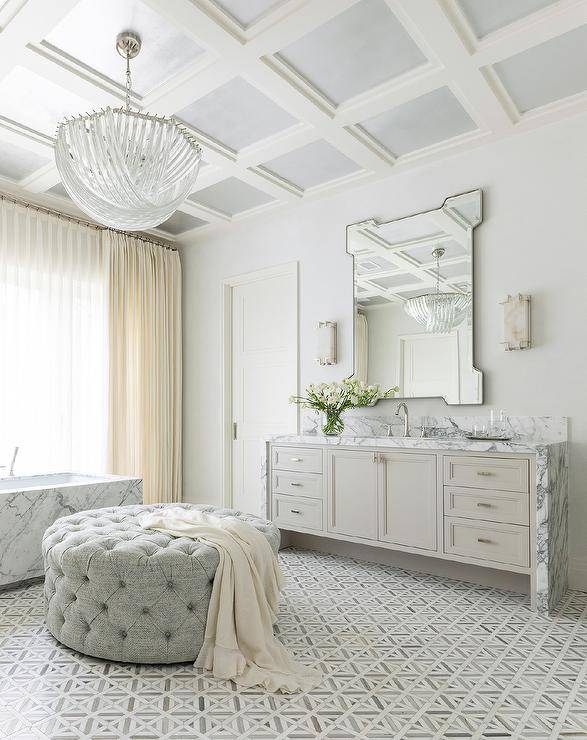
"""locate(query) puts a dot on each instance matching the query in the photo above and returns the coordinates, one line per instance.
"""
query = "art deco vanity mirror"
(413, 292)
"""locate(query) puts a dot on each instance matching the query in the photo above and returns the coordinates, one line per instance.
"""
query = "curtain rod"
(81, 221)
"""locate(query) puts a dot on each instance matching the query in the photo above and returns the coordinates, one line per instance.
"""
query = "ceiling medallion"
(126, 169)
(439, 312)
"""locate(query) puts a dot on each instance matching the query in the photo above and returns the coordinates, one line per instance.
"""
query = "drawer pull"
(482, 503)
(295, 484)
(484, 472)
(296, 459)
(484, 540)
(295, 511)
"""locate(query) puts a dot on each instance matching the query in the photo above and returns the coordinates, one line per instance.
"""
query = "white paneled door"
(264, 374)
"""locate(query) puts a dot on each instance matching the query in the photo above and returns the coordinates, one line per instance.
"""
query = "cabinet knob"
(295, 511)
(483, 540)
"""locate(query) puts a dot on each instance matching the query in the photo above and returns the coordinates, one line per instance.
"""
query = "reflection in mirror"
(413, 283)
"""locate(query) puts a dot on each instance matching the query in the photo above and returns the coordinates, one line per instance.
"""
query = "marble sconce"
(516, 322)
(327, 343)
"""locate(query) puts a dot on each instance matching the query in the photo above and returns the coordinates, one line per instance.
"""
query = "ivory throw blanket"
(239, 643)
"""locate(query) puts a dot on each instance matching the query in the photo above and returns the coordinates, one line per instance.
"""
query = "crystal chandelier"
(438, 312)
(126, 169)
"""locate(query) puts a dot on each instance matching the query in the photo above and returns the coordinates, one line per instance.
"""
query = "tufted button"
(169, 584)
(190, 607)
(104, 607)
(167, 635)
(123, 634)
(122, 584)
(145, 610)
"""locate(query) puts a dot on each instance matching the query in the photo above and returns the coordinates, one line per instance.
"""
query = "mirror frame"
(474, 368)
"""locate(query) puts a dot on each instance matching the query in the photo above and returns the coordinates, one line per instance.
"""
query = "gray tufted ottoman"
(116, 591)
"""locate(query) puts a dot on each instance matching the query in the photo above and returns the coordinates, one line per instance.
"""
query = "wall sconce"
(326, 343)
(516, 322)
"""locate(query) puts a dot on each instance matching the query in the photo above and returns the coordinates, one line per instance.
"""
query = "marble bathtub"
(28, 505)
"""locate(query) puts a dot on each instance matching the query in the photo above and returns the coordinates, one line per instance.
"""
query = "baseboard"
(578, 574)
(518, 582)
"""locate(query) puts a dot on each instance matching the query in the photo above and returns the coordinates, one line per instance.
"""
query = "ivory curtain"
(144, 414)
(53, 354)
(90, 346)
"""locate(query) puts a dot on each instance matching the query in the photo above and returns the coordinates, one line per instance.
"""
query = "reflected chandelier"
(126, 169)
(438, 312)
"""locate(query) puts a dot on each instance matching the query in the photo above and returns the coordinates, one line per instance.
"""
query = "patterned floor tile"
(403, 655)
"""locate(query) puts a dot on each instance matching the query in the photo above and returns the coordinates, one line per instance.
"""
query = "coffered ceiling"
(290, 99)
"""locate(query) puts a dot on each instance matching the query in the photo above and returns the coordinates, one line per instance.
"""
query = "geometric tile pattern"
(403, 655)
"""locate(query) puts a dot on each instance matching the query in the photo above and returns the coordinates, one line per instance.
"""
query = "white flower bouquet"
(334, 398)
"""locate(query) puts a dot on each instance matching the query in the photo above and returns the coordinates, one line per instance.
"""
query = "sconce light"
(516, 322)
(327, 342)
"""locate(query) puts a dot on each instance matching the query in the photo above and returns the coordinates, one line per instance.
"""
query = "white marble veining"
(544, 438)
(534, 429)
(29, 505)
(462, 444)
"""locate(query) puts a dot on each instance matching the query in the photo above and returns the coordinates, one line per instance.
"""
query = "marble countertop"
(518, 446)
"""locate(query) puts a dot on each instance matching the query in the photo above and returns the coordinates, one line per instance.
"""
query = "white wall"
(532, 240)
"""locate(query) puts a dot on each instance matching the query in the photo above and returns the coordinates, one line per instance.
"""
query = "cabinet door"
(352, 493)
(407, 499)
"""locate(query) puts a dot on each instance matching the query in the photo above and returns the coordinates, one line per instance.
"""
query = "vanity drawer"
(494, 473)
(304, 459)
(500, 543)
(493, 506)
(297, 484)
(294, 511)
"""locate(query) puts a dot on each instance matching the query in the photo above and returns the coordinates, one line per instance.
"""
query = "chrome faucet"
(389, 428)
(403, 406)
(14, 454)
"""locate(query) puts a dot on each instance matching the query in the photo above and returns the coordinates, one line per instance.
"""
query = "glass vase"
(333, 425)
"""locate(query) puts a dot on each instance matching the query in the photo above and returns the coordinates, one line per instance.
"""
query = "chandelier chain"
(128, 80)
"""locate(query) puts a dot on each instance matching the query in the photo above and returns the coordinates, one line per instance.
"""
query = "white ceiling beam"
(31, 22)
(42, 179)
(175, 95)
(203, 212)
(291, 28)
(24, 138)
(267, 79)
(428, 19)
(282, 143)
(391, 95)
(545, 25)
(97, 90)
(450, 226)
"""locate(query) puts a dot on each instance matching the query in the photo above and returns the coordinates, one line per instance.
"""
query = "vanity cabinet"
(407, 499)
(498, 505)
(352, 493)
